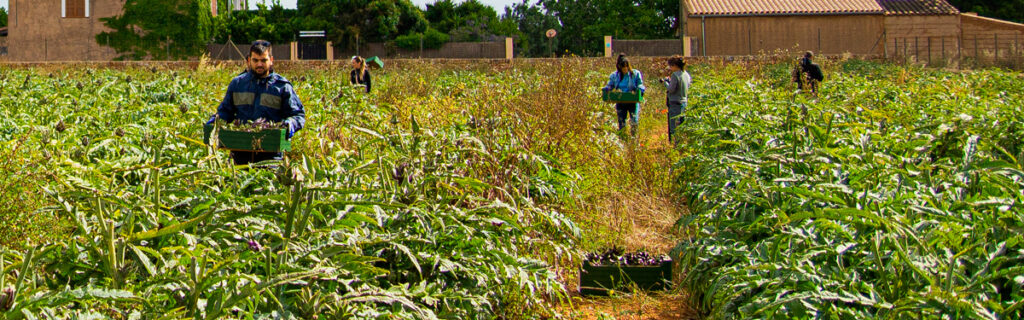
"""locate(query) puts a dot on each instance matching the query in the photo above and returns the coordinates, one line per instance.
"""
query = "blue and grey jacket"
(630, 82)
(272, 98)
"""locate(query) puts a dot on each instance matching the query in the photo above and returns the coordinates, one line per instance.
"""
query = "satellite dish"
(551, 33)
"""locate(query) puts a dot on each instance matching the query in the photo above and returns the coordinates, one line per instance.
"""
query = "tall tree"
(533, 22)
(3, 17)
(274, 23)
(159, 29)
(588, 21)
(1012, 10)
(369, 20)
(469, 20)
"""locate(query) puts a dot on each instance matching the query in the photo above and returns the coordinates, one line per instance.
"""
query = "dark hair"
(806, 60)
(677, 60)
(260, 47)
(622, 63)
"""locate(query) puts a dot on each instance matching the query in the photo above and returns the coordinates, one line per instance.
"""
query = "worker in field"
(626, 79)
(677, 86)
(809, 73)
(360, 75)
(260, 93)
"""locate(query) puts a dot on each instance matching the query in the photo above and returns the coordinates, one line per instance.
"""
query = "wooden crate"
(267, 140)
(597, 280)
(622, 97)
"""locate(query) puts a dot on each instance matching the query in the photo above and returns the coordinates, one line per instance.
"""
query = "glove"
(291, 129)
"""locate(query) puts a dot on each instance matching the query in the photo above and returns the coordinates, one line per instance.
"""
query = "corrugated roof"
(917, 7)
(782, 7)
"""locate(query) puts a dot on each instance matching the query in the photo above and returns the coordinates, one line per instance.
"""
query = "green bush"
(432, 39)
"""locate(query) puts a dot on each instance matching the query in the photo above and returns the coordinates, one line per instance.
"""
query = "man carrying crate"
(260, 93)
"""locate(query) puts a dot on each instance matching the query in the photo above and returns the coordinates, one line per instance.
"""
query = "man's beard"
(261, 73)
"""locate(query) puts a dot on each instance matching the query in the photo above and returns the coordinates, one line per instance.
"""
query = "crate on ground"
(266, 140)
(622, 97)
(598, 280)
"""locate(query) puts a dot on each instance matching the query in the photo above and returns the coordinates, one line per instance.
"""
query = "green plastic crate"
(375, 62)
(268, 140)
(622, 97)
(598, 280)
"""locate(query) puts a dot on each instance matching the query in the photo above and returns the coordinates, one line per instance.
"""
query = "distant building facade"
(59, 30)
(916, 28)
(62, 30)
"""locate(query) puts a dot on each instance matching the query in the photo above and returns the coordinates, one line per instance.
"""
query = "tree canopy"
(369, 20)
(1012, 10)
(147, 27)
(588, 21)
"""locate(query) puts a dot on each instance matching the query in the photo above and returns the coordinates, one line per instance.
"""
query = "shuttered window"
(74, 8)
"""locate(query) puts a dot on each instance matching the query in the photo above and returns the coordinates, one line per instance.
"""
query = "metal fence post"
(976, 57)
(917, 48)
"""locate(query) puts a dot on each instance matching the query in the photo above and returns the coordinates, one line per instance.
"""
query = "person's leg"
(264, 156)
(247, 157)
(674, 113)
(622, 112)
(243, 157)
(634, 118)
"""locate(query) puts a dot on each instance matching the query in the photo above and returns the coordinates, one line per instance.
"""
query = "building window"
(75, 9)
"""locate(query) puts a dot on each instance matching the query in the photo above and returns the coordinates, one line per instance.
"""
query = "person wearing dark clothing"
(626, 79)
(260, 93)
(808, 72)
(360, 75)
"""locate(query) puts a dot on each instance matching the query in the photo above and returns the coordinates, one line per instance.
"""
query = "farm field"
(466, 190)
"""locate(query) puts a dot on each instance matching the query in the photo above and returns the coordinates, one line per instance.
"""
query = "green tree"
(532, 22)
(3, 17)
(469, 20)
(274, 23)
(1012, 10)
(369, 20)
(159, 29)
(588, 21)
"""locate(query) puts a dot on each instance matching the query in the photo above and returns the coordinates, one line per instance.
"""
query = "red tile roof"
(782, 7)
(917, 7)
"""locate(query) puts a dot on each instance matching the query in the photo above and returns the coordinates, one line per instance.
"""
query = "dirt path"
(643, 221)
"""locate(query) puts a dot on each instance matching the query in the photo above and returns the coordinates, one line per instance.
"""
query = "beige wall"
(857, 34)
(925, 38)
(983, 36)
(38, 33)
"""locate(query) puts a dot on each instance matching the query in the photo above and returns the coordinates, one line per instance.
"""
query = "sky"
(499, 5)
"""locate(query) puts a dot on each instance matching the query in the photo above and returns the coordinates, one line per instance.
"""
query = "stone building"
(62, 30)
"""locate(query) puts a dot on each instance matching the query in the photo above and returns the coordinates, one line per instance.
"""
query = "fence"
(667, 47)
(451, 50)
(320, 51)
(983, 50)
(232, 51)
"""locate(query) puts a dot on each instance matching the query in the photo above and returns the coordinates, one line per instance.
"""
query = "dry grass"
(664, 306)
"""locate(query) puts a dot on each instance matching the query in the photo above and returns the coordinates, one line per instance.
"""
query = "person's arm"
(611, 83)
(226, 111)
(369, 81)
(686, 82)
(672, 87)
(352, 80)
(640, 82)
(294, 115)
